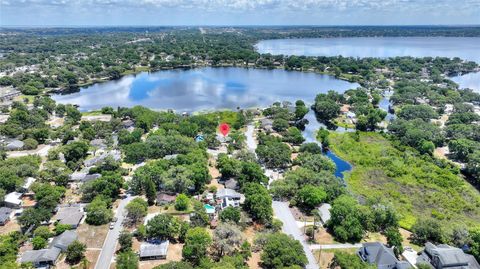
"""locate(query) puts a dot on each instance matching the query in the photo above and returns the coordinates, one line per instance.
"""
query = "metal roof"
(154, 249)
(64, 240)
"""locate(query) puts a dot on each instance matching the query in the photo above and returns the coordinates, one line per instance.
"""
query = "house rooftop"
(41, 256)
(64, 240)
(227, 193)
(13, 198)
(324, 211)
(5, 214)
(71, 215)
(154, 249)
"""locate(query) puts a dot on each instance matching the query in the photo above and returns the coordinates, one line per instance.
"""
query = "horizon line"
(233, 25)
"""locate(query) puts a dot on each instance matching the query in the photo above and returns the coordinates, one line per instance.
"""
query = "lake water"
(205, 89)
(470, 80)
(467, 48)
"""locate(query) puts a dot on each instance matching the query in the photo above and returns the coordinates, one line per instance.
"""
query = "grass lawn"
(415, 185)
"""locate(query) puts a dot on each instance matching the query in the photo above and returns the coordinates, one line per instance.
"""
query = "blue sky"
(238, 12)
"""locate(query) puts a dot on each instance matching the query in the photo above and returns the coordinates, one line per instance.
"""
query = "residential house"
(70, 215)
(43, 258)
(64, 240)
(231, 184)
(28, 182)
(229, 197)
(14, 144)
(5, 213)
(154, 250)
(324, 213)
(446, 257)
(380, 255)
(164, 199)
(266, 124)
(13, 200)
(83, 176)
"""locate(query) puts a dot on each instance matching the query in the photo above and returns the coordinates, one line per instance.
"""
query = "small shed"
(324, 212)
(154, 250)
(28, 182)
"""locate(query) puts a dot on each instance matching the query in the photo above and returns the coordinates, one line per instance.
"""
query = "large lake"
(205, 89)
(467, 48)
(470, 80)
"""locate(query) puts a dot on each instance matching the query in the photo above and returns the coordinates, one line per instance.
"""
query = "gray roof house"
(5, 213)
(231, 184)
(64, 240)
(377, 253)
(71, 215)
(445, 256)
(229, 197)
(15, 145)
(324, 213)
(83, 176)
(154, 251)
(43, 258)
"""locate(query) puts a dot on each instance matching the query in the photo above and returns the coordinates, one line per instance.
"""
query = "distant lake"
(470, 80)
(467, 48)
(205, 89)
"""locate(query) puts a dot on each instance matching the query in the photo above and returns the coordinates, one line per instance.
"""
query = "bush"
(39, 242)
(75, 252)
(60, 228)
(181, 202)
(43, 231)
(230, 214)
(30, 143)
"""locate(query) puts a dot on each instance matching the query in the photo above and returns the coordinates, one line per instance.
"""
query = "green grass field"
(415, 185)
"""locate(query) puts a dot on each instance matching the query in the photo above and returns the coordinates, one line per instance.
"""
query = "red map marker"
(224, 129)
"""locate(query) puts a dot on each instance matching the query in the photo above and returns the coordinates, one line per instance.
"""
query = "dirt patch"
(323, 237)
(92, 236)
(10, 226)
(254, 261)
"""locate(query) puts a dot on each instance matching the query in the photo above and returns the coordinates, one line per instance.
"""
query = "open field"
(412, 183)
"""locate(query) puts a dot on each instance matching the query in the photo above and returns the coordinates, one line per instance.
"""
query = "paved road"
(334, 246)
(110, 243)
(290, 227)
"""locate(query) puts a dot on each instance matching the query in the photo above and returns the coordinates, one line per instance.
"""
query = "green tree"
(197, 242)
(127, 260)
(136, 209)
(39, 242)
(42, 231)
(125, 240)
(75, 252)
(427, 230)
(475, 244)
(182, 202)
(98, 212)
(150, 191)
(280, 251)
(394, 239)
(345, 260)
(230, 214)
(346, 222)
(309, 197)
(258, 202)
(163, 226)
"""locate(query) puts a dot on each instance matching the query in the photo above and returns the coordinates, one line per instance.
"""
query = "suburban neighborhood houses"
(378, 168)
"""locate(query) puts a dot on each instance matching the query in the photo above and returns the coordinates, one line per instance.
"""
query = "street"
(282, 212)
(110, 243)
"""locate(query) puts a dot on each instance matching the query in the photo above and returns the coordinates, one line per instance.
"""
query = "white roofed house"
(229, 197)
(154, 250)
(28, 183)
(324, 213)
(13, 200)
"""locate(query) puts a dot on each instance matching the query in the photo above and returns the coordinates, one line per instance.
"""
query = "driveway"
(110, 243)
(334, 246)
(282, 212)
(251, 143)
